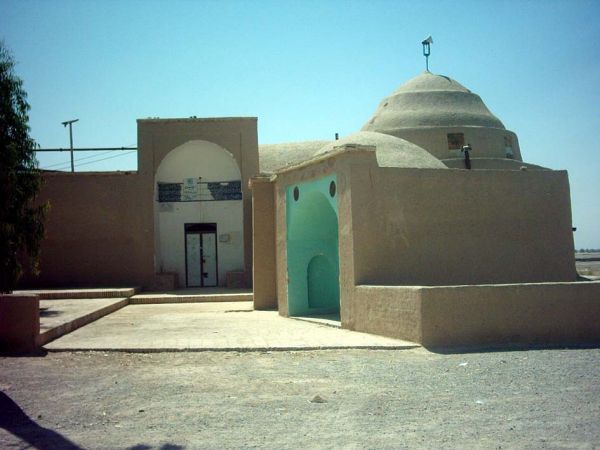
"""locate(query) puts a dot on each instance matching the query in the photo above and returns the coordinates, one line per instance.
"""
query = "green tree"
(21, 222)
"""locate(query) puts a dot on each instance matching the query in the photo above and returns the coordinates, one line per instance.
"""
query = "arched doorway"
(312, 247)
(199, 214)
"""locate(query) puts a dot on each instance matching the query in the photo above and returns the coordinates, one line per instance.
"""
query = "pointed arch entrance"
(199, 214)
(312, 247)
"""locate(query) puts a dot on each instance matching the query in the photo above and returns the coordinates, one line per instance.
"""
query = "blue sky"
(309, 69)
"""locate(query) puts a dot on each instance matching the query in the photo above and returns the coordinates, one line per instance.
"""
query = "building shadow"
(16, 422)
(40, 352)
(163, 447)
(503, 348)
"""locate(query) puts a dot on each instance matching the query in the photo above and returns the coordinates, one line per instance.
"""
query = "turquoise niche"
(312, 247)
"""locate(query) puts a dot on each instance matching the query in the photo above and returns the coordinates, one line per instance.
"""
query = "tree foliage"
(21, 222)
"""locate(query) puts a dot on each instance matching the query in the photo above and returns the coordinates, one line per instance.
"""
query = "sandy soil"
(371, 399)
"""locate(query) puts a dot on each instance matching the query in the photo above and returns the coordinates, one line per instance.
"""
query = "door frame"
(201, 228)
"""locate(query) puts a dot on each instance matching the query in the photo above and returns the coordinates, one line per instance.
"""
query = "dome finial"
(427, 51)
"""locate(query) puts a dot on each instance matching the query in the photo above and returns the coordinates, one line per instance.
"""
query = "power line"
(67, 165)
(80, 159)
(84, 149)
(109, 157)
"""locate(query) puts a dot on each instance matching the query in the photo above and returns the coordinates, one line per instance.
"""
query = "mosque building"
(424, 225)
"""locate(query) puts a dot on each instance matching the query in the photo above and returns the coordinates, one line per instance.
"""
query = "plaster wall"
(263, 267)
(449, 227)
(99, 231)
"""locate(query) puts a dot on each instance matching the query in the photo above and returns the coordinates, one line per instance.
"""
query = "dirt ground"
(588, 264)
(369, 399)
(589, 268)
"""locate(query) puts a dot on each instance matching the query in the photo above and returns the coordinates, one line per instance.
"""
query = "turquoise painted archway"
(312, 247)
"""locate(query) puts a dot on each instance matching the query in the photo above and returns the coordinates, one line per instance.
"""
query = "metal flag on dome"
(427, 51)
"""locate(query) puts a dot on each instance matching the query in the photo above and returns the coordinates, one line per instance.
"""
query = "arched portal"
(312, 247)
(199, 214)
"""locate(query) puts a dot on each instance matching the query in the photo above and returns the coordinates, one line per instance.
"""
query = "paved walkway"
(211, 326)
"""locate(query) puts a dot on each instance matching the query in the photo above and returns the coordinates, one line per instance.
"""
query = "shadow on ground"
(46, 312)
(16, 422)
(38, 353)
(164, 447)
(509, 348)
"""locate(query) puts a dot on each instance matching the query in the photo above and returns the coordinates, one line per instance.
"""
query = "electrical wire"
(65, 166)
(61, 164)
(109, 157)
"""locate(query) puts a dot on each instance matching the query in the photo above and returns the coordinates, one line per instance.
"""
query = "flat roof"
(195, 119)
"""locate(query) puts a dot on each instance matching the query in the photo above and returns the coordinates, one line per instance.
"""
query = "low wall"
(530, 313)
(19, 322)
(393, 311)
(545, 313)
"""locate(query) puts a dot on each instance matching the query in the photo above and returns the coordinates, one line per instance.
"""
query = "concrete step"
(64, 294)
(151, 299)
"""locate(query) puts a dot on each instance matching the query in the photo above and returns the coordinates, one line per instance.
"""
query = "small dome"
(390, 151)
(430, 100)
(273, 157)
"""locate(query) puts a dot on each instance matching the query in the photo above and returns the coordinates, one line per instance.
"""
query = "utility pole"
(70, 123)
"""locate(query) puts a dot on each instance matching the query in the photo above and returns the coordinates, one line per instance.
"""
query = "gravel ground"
(370, 399)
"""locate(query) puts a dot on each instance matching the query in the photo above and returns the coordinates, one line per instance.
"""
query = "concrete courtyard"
(211, 326)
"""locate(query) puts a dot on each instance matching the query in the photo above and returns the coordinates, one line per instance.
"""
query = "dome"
(431, 100)
(390, 151)
(273, 157)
